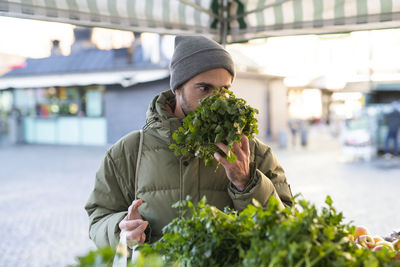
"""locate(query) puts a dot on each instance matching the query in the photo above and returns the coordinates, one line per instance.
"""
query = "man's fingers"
(140, 241)
(221, 159)
(136, 234)
(222, 146)
(140, 229)
(133, 212)
(237, 148)
(245, 144)
(129, 225)
(241, 149)
(134, 206)
(133, 224)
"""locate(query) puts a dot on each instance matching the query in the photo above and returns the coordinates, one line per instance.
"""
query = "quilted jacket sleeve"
(267, 179)
(109, 200)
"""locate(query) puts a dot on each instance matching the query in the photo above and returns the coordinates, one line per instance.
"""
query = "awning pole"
(224, 22)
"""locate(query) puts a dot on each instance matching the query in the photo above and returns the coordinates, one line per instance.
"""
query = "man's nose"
(214, 91)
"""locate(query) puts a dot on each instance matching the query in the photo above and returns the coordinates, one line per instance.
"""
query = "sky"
(32, 38)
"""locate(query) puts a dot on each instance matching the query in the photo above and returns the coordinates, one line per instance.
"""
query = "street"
(43, 190)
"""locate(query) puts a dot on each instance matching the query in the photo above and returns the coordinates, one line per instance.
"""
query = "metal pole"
(225, 22)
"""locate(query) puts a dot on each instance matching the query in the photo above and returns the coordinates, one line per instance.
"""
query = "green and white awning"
(223, 20)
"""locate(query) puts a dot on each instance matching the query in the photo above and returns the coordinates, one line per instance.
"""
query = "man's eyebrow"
(205, 84)
(210, 85)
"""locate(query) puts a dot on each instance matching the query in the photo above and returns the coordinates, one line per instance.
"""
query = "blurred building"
(356, 111)
(267, 93)
(9, 62)
(91, 97)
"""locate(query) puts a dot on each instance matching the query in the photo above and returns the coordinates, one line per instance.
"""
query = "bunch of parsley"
(221, 117)
(296, 236)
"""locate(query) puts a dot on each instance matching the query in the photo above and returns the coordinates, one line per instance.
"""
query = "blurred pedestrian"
(393, 123)
(294, 126)
(14, 126)
(303, 133)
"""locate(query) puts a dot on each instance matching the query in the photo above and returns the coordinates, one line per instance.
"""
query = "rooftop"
(89, 60)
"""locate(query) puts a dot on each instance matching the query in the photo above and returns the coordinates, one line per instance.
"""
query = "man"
(198, 66)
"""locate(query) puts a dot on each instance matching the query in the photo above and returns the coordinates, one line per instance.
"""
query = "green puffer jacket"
(165, 179)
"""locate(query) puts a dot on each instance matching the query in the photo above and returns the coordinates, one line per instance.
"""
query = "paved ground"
(42, 193)
(43, 190)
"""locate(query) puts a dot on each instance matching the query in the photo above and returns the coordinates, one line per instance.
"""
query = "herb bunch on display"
(221, 117)
(297, 236)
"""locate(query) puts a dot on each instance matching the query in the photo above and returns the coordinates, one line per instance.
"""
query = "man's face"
(200, 86)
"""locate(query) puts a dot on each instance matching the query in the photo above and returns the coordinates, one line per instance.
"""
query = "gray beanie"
(194, 55)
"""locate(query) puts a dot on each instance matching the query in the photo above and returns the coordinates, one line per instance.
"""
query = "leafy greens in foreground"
(296, 236)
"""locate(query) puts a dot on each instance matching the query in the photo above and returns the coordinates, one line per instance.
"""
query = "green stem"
(300, 262)
(320, 257)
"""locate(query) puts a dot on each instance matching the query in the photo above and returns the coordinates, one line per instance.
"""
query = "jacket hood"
(159, 114)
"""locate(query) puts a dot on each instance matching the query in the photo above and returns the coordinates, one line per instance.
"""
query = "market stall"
(229, 21)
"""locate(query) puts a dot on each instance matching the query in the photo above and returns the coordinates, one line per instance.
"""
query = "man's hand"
(134, 225)
(239, 171)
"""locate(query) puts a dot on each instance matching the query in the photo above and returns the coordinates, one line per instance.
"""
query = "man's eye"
(205, 88)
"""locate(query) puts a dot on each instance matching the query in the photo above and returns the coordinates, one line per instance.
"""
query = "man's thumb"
(133, 212)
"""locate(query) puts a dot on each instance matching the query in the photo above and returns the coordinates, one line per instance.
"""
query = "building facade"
(91, 97)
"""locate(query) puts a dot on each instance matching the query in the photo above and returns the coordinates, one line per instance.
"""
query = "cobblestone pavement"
(43, 190)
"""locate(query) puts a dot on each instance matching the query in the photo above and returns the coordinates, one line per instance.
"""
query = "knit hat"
(194, 55)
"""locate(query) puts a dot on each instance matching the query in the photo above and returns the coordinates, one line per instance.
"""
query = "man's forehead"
(214, 80)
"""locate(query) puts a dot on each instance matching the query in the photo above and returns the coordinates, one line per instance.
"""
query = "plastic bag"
(122, 253)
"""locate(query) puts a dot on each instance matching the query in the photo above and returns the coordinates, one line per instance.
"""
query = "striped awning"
(224, 20)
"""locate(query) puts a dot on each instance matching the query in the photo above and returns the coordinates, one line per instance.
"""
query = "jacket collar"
(158, 116)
